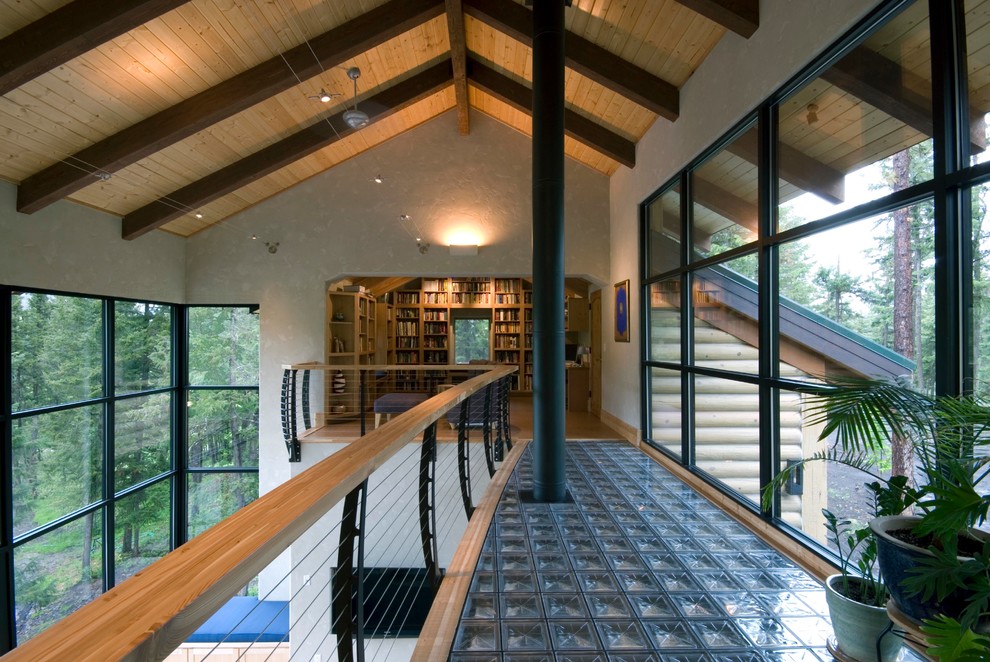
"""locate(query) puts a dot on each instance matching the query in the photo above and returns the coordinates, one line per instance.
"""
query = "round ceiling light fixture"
(355, 118)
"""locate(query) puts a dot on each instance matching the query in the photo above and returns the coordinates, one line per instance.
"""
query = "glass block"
(605, 530)
(677, 581)
(474, 657)
(514, 561)
(653, 605)
(521, 605)
(580, 545)
(637, 529)
(784, 603)
(736, 561)
(528, 657)
(511, 531)
(662, 561)
(795, 580)
(718, 580)
(635, 582)
(683, 544)
(557, 582)
(628, 518)
(560, 606)
(766, 559)
(615, 544)
(574, 530)
(622, 634)
(509, 545)
(476, 636)
(719, 634)
(539, 517)
(741, 604)
(480, 606)
(767, 632)
(581, 657)
(609, 606)
(568, 518)
(486, 561)
(598, 518)
(814, 599)
(700, 528)
(696, 605)
(686, 657)
(649, 544)
(625, 561)
(694, 561)
(570, 635)
(669, 634)
(526, 635)
(509, 517)
(519, 582)
(735, 656)
(546, 562)
(813, 631)
(546, 544)
(791, 655)
(597, 582)
(484, 582)
(589, 561)
(756, 580)
(542, 530)
(619, 656)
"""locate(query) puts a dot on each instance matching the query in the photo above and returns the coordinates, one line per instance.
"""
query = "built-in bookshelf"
(350, 340)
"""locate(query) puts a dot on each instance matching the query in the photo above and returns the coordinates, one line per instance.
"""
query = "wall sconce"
(463, 249)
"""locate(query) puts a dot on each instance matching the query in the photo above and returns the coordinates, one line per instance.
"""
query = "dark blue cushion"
(396, 403)
(245, 619)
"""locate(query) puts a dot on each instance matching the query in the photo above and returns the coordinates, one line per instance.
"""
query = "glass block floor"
(638, 568)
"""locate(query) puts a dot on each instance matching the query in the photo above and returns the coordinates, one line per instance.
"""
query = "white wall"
(77, 249)
(732, 81)
(342, 223)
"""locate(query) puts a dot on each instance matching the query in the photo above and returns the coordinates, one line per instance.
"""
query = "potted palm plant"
(936, 562)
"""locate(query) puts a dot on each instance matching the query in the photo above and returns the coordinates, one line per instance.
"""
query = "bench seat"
(396, 403)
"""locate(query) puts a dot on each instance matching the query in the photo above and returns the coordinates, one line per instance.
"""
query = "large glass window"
(844, 280)
(92, 440)
(862, 129)
(222, 414)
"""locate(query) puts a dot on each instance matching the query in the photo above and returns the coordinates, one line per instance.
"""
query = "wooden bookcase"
(350, 340)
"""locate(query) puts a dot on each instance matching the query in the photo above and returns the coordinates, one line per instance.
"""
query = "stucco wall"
(738, 75)
(342, 223)
(70, 247)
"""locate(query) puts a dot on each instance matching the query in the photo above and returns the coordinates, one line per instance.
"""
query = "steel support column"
(549, 483)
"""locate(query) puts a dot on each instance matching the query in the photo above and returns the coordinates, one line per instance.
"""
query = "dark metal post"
(427, 505)
(464, 460)
(549, 483)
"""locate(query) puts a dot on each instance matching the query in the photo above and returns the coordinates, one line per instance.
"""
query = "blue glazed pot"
(896, 557)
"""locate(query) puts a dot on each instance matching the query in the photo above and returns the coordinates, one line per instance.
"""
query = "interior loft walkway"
(639, 567)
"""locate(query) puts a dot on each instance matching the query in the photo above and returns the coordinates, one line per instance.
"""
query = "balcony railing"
(363, 536)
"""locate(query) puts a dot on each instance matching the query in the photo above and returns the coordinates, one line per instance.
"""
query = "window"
(93, 440)
(472, 339)
(832, 271)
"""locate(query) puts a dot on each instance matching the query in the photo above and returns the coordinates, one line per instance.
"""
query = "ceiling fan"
(355, 118)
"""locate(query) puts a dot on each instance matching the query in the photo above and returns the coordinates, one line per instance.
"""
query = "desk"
(578, 387)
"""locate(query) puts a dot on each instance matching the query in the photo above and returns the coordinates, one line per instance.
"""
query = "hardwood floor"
(579, 425)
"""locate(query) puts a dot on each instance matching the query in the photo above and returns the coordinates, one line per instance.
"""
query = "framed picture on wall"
(622, 311)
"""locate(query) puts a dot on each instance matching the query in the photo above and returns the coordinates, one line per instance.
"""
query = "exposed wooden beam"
(889, 87)
(711, 196)
(797, 168)
(739, 16)
(221, 101)
(280, 154)
(584, 57)
(458, 60)
(68, 32)
(576, 126)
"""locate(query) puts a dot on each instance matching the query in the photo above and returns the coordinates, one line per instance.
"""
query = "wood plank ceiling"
(176, 115)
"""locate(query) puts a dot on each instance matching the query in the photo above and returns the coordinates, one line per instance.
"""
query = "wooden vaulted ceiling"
(178, 114)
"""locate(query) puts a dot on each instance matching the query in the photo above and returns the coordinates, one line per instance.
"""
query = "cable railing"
(348, 555)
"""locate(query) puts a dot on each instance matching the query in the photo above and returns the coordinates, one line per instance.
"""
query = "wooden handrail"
(147, 616)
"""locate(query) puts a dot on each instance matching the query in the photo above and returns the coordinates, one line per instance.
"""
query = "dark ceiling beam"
(739, 16)
(68, 32)
(224, 100)
(584, 57)
(576, 126)
(710, 196)
(887, 86)
(796, 167)
(282, 153)
(458, 61)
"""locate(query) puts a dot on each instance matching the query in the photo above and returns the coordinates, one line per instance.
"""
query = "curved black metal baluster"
(289, 422)
(486, 423)
(463, 460)
(504, 419)
(348, 580)
(307, 419)
(427, 504)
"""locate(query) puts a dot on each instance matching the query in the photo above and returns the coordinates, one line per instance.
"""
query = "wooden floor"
(579, 425)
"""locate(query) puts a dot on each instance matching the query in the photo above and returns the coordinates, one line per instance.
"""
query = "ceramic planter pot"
(858, 626)
(896, 556)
